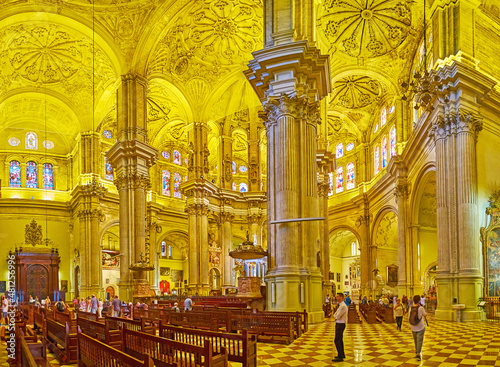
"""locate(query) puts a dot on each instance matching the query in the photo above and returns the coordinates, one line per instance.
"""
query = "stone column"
(131, 158)
(226, 236)
(198, 249)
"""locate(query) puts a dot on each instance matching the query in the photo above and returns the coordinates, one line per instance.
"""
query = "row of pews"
(374, 313)
(209, 336)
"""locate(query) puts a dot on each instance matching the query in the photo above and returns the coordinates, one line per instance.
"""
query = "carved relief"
(366, 29)
(355, 92)
(33, 234)
(228, 168)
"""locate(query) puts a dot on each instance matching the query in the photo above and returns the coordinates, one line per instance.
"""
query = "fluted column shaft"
(198, 248)
(227, 241)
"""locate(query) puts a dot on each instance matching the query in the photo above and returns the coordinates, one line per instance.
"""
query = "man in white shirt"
(417, 313)
(340, 323)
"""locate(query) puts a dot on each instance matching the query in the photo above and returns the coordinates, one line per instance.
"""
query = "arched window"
(31, 141)
(375, 129)
(169, 251)
(384, 152)
(339, 150)
(108, 170)
(234, 167)
(383, 116)
(393, 141)
(340, 180)
(31, 175)
(163, 249)
(243, 187)
(177, 185)
(350, 176)
(48, 177)
(376, 160)
(177, 157)
(355, 251)
(330, 184)
(15, 174)
(349, 147)
(165, 183)
(234, 186)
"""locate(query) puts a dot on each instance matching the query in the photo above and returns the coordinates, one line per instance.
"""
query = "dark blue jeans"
(339, 339)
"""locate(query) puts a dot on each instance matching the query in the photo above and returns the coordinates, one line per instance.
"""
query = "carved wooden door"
(38, 281)
(110, 293)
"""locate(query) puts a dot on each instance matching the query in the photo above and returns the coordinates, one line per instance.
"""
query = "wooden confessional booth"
(37, 274)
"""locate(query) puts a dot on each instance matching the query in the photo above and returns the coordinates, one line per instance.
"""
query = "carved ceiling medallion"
(355, 92)
(363, 28)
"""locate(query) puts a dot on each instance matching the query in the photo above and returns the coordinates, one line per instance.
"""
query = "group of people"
(416, 317)
(91, 304)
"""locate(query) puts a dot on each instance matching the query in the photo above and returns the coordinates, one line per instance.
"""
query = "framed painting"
(164, 271)
(64, 285)
(176, 275)
(338, 277)
(490, 237)
(392, 275)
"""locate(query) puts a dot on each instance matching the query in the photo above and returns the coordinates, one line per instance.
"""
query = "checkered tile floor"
(446, 344)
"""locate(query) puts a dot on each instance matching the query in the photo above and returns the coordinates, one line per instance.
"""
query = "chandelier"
(425, 84)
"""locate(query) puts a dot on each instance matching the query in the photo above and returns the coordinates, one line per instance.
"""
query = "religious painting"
(64, 285)
(110, 260)
(392, 275)
(214, 257)
(490, 237)
(331, 276)
(338, 277)
(164, 271)
(31, 141)
(176, 275)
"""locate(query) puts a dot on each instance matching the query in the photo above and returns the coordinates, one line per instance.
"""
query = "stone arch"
(342, 261)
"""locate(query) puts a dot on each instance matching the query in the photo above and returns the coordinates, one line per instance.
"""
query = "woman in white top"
(398, 313)
(99, 307)
(5, 310)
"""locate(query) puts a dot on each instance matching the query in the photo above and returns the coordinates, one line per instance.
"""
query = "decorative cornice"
(197, 209)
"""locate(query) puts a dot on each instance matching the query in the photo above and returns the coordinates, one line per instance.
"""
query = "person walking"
(5, 310)
(99, 307)
(416, 319)
(340, 323)
(94, 304)
(116, 306)
(398, 313)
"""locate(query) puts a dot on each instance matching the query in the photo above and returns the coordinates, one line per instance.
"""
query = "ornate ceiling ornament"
(355, 92)
(364, 28)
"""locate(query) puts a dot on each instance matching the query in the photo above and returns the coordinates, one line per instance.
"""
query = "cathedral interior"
(353, 140)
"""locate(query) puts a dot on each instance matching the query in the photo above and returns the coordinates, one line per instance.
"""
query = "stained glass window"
(350, 176)
(31, 141)
(243, 187)
(15, 174)
(107, 134)
(165, 183)
(393, 141)
(330, 184)
(383, 117)
(384, 152)
(340, 180)
(170, 251)
(14, 141)
(243, 169)
(163, 249)
(339, 150)
(177, 185)
(177, 157)
(108, 170)
(376, 160)
(31, 181)
(349, 147)
(234, 186)
(375, 129)
(234, 167)
(392, 109)
(48, 176)
(165, 154)
(48, 144)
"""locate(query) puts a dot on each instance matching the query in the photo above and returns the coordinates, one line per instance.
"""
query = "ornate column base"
(289, 291)
(470, 289)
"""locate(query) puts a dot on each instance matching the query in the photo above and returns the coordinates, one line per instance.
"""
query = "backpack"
(60, 307)
(414, 320)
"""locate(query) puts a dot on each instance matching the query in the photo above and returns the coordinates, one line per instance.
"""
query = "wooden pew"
(93, 353)
(88, 316)
(352, 315)
(56, 334)
(167, 353)
(116, 323)
(389, 315)
(241, 348)
(197, 320)
(101, 332)
(38, 318)
(31, 354)
(299, 319)
(268, 328)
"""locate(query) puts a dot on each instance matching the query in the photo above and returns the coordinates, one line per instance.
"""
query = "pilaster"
(227, 242)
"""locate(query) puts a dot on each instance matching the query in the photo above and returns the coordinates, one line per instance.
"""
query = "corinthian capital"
(226, 217)
(467, 122)
(401, 191)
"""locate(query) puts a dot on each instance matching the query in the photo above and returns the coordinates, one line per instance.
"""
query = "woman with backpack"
(416, 319)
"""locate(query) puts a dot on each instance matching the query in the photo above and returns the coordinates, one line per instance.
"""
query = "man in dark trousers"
(340, 323)
(116, 307)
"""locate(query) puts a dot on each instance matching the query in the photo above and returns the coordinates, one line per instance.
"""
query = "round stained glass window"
(107, 134)
(185, 161)
(48, 144)
(14, 142)
(165, 154)
(243, 169)
(350, 147)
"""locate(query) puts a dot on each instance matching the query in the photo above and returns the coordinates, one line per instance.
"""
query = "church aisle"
(446, 344)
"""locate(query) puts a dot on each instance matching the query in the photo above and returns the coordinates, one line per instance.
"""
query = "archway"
(111, 258)
(172, 268)
(110, 293)
(345, 266)
(214, 280)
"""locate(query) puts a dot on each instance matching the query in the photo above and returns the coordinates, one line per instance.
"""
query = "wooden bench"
(31, 354)
(369, 314)
(101, 332)
(38, 318)
(168, 353)
(56, 334)
(197, 320)
(116, 323)
(268, 328)
(299, 319)
(241, 348)
(352, 315)
(93, 353)
(88, 316)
